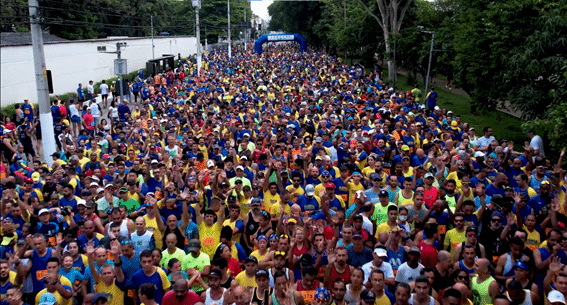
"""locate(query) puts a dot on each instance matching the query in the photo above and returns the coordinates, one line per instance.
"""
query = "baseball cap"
(251, 259)
(310, 190)
(555, 296)
(100, 296)
(42, 211)
(381, 252)
(35, 177)
(246, 135)
(49, 298)
(405, 148)
(330, 185)
(240, 168)
(414, 250)
(375, 176)
(368, 296)
(256, 201)
(383, 193)
(291, 220)
(224, 184)
(428, 175)
(215, 272)
(81, 202)
(306, 260)
(194, 245)
(318, 140)
(521, 265)
(471, 229)
(99, 190)
(210, 163)
(454, 124)
(357, 234)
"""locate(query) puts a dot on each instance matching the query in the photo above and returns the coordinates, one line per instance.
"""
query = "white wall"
(77, 62)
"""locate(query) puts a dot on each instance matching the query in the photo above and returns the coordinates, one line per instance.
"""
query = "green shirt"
(131, 205)
(197, 263)
(380, 214)
(165, 256)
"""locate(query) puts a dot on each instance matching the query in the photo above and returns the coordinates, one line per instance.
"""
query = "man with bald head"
(483, 284)
(240, 295)
(442, 270)
(180, 294)
(171, 251)
(142, 238)
(464, 290)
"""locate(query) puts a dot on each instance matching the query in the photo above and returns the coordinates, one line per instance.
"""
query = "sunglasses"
(462, 277)
(471, 235)
(238, 182)
(496, 220)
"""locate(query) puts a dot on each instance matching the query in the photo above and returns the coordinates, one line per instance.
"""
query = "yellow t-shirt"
(151, 225)
(352, 190)
(453, 175)
(384, 227)
(260, 257)
(243, 280)
(232, 225)
(275, 209)
(383, 300)
(60, 300)
(453, 238)
(113, 290)
(291, 189)
(270, 200)
(210, 237)
(533, 240)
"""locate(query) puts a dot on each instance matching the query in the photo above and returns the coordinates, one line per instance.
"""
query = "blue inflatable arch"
(280, 37)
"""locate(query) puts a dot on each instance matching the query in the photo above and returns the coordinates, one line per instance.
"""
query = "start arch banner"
(280, 37)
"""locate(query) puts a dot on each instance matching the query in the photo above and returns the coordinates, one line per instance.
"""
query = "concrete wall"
(77, 62)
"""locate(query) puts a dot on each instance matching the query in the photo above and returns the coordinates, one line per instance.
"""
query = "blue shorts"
(76, 119)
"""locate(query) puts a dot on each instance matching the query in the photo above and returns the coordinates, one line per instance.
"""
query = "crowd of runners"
(286, 178)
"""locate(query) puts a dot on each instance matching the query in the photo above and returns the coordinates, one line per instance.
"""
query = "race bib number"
(131, 293)
(52, 241)
(344, 197)
(40, 274)
(209, 242)
(442, 229)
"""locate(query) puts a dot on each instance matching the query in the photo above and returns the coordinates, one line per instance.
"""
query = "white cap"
(310, 190)
(246, 135)
(93, 184)
(555, 296)
(99, 190)
(381, 252)
(210, 163)
(81, 202)
(42, 211)
(154, 161)
(240, 167)
(478, 154)
(436, 108)
(449, 112)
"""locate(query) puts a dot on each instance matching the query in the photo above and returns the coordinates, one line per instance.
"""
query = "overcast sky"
(260, 8)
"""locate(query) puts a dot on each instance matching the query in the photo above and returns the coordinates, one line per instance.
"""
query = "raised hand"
(555, 265)
(90, 248)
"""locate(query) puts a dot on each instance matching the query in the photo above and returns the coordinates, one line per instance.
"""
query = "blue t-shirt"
(72, 275)
(140, 278)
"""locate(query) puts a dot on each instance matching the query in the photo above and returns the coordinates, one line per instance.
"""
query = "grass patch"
(503, 126)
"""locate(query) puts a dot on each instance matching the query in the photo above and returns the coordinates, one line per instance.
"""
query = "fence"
(77, 62)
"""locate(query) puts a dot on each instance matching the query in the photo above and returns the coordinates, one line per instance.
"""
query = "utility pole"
(430, 56)
(229, 49)
(120, 65)
(153, 46)
(245, 29)
(45, 117)
(197, 5)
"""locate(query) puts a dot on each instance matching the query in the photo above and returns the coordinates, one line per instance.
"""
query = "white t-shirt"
(73, 110)
(385, 267)
(103, 89)
(95, 110)
(113, 112)
(90, 89)
(406, 274)
(483, 141)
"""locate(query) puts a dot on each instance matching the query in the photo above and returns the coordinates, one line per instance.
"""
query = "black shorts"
(29, 150)
(105, 96)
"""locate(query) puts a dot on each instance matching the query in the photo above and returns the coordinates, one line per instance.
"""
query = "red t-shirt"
(428, 255)
(430, 196)
(190, 299)
(234, 266)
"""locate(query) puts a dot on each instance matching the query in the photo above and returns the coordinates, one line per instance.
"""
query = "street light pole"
(430, 57)
(45, 117)
(229, 49)
(197, 5)
(153, 46)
